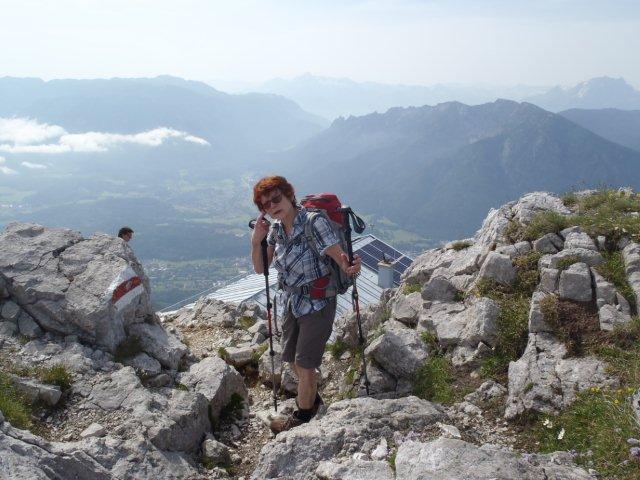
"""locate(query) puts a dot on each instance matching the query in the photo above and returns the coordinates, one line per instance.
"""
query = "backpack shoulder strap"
(312, 215)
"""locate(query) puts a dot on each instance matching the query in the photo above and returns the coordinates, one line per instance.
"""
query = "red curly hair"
(267, 184)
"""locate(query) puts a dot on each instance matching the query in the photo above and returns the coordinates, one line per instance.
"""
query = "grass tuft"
(13, 405)
(613, 270)
(337, 348)
(434, 380)
(409, 288)
(566, 262)
(246, 322)
(56, 375)
(461, 245)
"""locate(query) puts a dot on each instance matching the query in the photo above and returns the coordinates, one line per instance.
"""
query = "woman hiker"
(307, 321)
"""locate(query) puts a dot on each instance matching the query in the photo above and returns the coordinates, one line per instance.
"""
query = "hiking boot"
(317, 404)
(285, 422)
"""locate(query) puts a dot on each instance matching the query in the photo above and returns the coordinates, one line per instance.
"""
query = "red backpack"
(329, 206)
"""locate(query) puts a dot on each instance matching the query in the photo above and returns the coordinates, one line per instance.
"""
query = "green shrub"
(13, 405)
(56, 375)
(597, 426)
(434, 380)
(430, 338)
(409, 288)
(569, 199)
(337, 348)
(181, 386)
(222, 353)
(461, 245)
(613, 270)
(566, 262)
(255, 356)
(543, 223)
(246, 322)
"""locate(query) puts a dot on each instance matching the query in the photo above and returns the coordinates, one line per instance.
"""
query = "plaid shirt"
(296, 262)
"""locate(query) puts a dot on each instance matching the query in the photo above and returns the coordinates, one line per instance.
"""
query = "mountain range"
(334, 97)
(436, 170)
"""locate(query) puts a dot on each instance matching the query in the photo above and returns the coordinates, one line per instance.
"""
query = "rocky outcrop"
(348, 427)
(93, 288)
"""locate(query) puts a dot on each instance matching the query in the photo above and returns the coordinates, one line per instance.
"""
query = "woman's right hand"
(260, 230)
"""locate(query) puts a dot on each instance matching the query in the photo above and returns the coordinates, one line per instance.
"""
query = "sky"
(498, 42)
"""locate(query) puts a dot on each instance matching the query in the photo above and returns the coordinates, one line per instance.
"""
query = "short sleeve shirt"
(296, 262)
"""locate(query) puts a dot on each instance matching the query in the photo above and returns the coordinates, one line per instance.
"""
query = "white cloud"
(6, 170)
(26, 136)
(25, 131)
(34, 166)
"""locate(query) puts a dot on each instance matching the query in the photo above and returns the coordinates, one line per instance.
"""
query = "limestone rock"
(610, 317)
(423, 266)
(549, 243)
(406, 308)
(590, 257)
(66, 283)
(216, 380)
(575, 283)
(93, 430)
(399, 352)
(353, 469)
(475, 323)
(515, 250)
(28, 327)
(35, 391)
(549, 278)
(161, 345)
(576, 238)
(144, 364)
(543, 380)
(10, 311)
(498, 268)
(215, 451)
(439, 289)
(343, 430)
(452, 459)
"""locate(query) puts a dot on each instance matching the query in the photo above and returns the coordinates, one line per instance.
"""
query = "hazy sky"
(536, 42)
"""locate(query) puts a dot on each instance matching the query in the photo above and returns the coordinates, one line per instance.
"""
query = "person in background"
(125, 233)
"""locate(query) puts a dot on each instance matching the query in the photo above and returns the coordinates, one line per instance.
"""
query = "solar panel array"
(376, 250)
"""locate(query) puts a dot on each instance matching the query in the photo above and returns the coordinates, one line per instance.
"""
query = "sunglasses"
(277, 198)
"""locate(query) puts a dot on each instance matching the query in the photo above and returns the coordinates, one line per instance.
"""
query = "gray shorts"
(304, 338)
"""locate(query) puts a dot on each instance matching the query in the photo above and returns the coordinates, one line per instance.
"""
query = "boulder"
(93, 430)
(515, 250)
(381, 383)
(549, 243)
(345, 428)
(216, 380)
(35, 391)
(438, 289)
(476, 322)
(401, 352)
(549, 278)
(576, 238)
(92, 458)
(406, 308)
(157, 342)
(73, 286)
(144, 364)
(631, 256)
(575, 283)
(537, 322)
(590, 257)
(215, 452)
(453, 459)
(423, 266)
(543, 380)
(498, 268)
(611, 317)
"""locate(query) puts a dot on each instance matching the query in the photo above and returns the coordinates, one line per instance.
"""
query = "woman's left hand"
(352, 269)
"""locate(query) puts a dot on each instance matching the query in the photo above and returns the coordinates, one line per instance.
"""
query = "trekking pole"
(265, 268)
(354, 289)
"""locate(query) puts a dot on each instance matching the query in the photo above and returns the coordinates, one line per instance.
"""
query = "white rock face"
(549, 243)
(160, 344)
(354, 469)
(475, 323)
(452, 459)
(439, 289)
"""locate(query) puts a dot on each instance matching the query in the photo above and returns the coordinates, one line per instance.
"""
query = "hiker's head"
(125, 233)
(272, 194)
